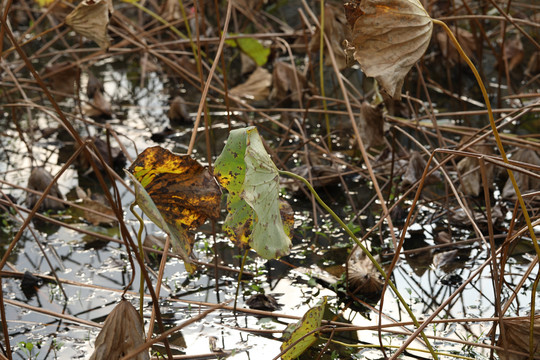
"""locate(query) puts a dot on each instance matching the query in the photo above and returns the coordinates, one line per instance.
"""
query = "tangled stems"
(494, 129)
(505, 159)
(366, 251)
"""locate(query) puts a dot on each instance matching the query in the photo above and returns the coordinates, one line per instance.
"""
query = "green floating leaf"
(246, 170)
(252, 48)
(309, 322)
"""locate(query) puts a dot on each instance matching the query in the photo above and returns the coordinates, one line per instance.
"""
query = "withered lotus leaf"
(449, 51)
(90, 19)
(299, 337)
(121, 333)
(389, 37)
(257, 216)
(516, 338)
(101, 214)
(469, 168)
(363, 278)
(371, 123)
(183, 190)
(256, 87)
(525, 182)
(39, 180)
(287, 82)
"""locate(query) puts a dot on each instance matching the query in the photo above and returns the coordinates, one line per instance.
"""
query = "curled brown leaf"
(256, 87)
(90, 19)
(389, 37)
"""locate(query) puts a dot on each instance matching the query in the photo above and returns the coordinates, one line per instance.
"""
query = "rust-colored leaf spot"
(352, 11)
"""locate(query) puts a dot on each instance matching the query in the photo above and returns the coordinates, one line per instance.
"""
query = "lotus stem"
(321, 77)
(240, 279)
(366, 251)
(505, 159)
(141, 256)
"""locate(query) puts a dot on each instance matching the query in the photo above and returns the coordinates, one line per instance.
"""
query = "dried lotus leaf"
(526, 183)
(256, 87)
(516, 338)
(121, 333)
(389, 37)
(90, 19)
(337, 31)
(371, 124)
(363, 278)
(39, 180)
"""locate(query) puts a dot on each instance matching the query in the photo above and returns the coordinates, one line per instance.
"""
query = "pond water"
(99, 270)
(48, 321)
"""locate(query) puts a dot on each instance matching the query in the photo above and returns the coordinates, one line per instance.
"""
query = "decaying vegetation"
(410, 163)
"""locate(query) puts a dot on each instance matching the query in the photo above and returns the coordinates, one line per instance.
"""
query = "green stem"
(495, 131)
(174, 29)
(141, 256)
(321, 77)
(365, 250)
(240, 279)
(194, 47)
(505, 159)
(158, 18)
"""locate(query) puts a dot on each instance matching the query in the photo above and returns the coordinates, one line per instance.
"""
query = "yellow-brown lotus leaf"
(121, 333)
(90, 19)
(389, 36)
(183, 190)
(256, 87)
(516, 338)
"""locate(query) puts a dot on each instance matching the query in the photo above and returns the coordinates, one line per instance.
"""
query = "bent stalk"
(366, 251)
